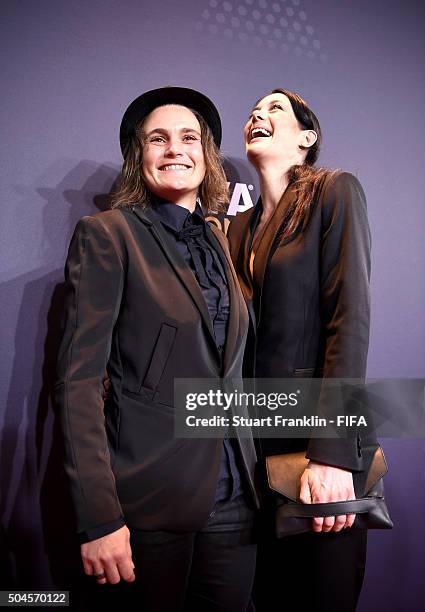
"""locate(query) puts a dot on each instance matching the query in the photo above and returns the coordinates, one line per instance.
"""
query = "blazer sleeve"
(93, 289)
(345, 304)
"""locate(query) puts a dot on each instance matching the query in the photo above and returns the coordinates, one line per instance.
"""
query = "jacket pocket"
(161, 352)
(303, 373)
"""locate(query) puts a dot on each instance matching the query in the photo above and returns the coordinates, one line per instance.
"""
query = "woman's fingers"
(98, 573)
(327, 484)
(350, 520)
(317, 523)
(109, 558)
(112, 573)
(340, 522)
(126, 570)
(305, 491)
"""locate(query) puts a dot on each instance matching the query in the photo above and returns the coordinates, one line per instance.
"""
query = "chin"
(254, 153)
(176, 187)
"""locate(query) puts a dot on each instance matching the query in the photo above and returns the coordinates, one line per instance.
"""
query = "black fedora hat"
(148, 101)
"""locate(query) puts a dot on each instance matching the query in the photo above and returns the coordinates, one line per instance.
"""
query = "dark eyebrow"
(269, 103)
(183, 130)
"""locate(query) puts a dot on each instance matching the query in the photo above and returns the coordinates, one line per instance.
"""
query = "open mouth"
(178, 167)
(260, 132)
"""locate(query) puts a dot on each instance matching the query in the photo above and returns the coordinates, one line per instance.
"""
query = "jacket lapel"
(265, 245)
(178, 264)
(217, 237)
(243, 256)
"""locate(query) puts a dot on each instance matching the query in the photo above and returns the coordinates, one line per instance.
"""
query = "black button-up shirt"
(188, 230)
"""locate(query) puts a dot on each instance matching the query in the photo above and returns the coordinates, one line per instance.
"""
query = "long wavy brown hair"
(132, 190)
(305, 179)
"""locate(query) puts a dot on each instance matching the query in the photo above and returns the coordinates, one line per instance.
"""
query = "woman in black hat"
(151, 297)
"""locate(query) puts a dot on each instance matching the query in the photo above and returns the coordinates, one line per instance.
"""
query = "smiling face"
(173, 164)
(273, 133)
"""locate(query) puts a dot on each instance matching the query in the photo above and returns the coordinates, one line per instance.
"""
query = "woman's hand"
(109, 558)
(322, 483)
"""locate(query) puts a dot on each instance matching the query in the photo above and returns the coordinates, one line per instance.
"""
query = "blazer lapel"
(264, 247)
(181, 269)
(217, 238)
(242, 260)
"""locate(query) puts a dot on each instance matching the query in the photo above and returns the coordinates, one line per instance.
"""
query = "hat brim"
(147, 102)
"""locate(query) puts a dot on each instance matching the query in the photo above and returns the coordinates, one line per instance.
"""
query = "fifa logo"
(240, 201)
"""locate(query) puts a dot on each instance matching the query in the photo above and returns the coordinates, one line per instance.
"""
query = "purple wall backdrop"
(69, 70)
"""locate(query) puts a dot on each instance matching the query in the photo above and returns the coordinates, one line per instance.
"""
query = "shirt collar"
(175, 216)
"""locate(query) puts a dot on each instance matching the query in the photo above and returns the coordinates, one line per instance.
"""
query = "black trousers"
(309, 572)
(210, 570)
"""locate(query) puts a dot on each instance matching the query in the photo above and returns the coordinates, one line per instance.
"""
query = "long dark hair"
(305, 178)
(132, 189)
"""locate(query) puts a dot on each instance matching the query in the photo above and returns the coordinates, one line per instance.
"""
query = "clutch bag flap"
(284, 473)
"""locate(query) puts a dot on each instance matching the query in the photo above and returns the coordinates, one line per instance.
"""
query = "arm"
(345, 313)
(94, 282)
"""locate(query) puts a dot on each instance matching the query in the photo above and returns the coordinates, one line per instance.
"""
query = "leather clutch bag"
(293, 517)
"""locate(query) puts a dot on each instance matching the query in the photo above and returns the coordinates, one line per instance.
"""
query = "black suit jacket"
(309, 300)
(134, 307)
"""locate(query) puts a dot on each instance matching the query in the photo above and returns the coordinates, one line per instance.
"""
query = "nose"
(173, 147)
(258, 114)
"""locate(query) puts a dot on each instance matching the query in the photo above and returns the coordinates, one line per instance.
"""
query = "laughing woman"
(303, 260)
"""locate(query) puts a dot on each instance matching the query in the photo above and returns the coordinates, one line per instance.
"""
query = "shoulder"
(340, 182)
(106, 218)
(110, 222)
(342, 205)
(106, 232)
(341, 193)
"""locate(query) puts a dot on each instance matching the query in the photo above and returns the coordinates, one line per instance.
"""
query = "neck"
(190, 205)
(272, 171)
(273, 183)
